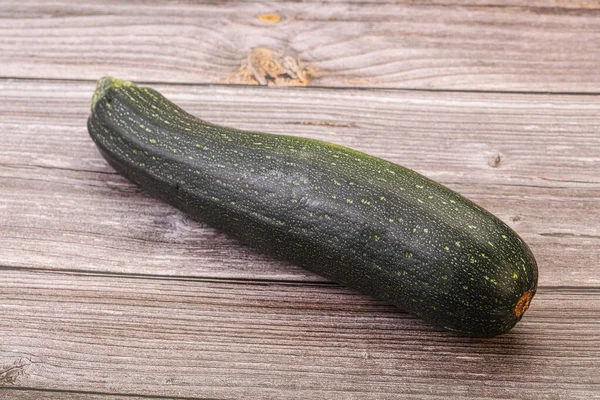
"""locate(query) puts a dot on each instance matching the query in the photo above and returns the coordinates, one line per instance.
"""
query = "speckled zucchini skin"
(362, 221)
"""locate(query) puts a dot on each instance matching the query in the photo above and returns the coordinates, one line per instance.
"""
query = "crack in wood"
(23, 389)
(569, 235)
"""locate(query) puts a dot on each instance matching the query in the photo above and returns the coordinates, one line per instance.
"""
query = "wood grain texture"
(48, 394)
(467, 45)
(108, 294)
(530, 159)
(45, 394)
(196, 338)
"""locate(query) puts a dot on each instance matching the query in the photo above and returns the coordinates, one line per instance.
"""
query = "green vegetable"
(362, 221)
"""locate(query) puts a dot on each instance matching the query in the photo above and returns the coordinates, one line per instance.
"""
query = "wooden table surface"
(106, 293)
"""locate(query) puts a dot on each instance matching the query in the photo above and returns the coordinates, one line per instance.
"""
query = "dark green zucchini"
(367, 223)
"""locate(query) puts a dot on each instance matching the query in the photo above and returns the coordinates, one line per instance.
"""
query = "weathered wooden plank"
(41, 394)
(447, 44)
(189, 338)
(530, 159)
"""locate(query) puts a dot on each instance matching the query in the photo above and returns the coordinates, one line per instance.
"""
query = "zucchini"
(367, 223)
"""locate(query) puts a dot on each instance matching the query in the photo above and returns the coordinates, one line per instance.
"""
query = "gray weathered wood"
(45, 394)
(530, 159)
(108, 294)
(448, 44)
(222, 339)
